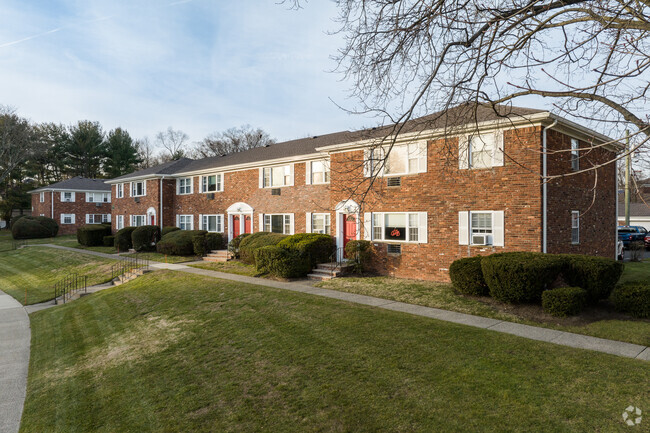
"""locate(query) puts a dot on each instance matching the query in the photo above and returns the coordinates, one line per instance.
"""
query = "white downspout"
(52, 205)
(544, 187)
(161, 203)
(616, 219)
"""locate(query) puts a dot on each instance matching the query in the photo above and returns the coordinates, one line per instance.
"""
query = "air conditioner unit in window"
(478, 239)
(67, 200)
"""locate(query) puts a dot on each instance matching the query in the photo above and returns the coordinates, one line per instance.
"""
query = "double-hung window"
(67, 218)
(399, 160)
(397, 227)
(138, 189)
(575, 155)
(42, 197)
(184, 185)
(212, 183)
(138, 220)
(481, 150)
(318, 172)
(98, 197)
(212, 223)
(275, 177)
(186, 222)
(320, 223)
(279, 223)
(481, 228)
(98, 218)
(575, 227)
(67, 196)
(120, 190)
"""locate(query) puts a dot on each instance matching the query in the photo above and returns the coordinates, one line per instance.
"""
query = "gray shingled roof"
(77, 183)
(460, 115)
(637, 209)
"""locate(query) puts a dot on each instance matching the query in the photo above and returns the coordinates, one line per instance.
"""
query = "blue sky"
(199, 65)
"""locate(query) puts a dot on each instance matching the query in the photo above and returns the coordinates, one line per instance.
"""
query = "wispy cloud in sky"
(197, 65)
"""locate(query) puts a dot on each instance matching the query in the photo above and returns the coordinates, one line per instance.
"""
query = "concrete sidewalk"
(15, 338)
(569, 339)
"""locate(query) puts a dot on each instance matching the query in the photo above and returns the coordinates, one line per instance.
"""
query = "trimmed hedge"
(145, 238)
(123, 240)
(467, 276)
(597, 275)
(365, 251)
(109, 241)
(198, 243)
(29, 227)
(520, 276)
(166, 230)
(564, 301)
(249, 244)
(632, 298)
(281, 262)
(214, 241)
(233, 245)
(317, 248)
(92, 235)
(178, 243)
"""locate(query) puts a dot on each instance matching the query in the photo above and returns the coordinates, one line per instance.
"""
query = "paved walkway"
(15, 338)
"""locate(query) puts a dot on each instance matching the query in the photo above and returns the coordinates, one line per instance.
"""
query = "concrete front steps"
(217, 256)
(327, 271)
(125, 278)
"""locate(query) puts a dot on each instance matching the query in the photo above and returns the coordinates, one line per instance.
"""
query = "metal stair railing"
(128, 265)
(68, 286)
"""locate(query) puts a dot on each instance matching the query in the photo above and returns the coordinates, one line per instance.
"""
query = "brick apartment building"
(455, 184)
(73, 203)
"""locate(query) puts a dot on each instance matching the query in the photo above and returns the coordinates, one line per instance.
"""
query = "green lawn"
(157, 257)
(442, 295)
(231, 267)
(63, 240)
(178, 352)
(36, 270)
(636, 271)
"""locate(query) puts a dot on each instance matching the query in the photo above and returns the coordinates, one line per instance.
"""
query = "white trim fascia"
(254, 165)
(138, 178)
(585, 134)
(69, 190)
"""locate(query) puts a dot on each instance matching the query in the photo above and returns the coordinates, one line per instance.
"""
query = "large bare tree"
(18, 142)
(173, 142)
(233, 140)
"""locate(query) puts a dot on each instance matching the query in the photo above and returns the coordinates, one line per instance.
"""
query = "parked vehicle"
(647, 242)
(628, 234)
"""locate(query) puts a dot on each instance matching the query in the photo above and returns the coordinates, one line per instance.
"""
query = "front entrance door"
(247, 224)
(235, 226)
(152, 220)
(349, 228)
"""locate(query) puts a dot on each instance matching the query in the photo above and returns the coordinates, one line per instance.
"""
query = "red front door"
(152, 220)
(235, 226)
(247, 224)
(349, 228)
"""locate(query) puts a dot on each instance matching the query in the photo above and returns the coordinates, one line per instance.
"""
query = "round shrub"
(198, 243)
(145, 238)
(318, 248)
(233, 245)
(109, 241)
(467, 276)
(214, 241)
(29, 227)
(564, 301)
(597, 275)
(178, 243)
(92, 235)
(170, 229)
(361, 253)
(281, 262)
(123, 240)
(257, 240)
(632, 298)
(520, 276)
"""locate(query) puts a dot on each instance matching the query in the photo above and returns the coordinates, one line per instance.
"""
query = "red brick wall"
(128, 205)
(79, 207)
(443, 191)
(592, 193)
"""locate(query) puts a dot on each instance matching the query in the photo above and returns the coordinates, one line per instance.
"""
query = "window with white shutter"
(397, 226)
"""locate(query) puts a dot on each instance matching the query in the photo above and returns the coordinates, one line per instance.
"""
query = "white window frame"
(91, 197)
(72, 196)
(575, 154)
(183, 223)
(134, 188)
(67, 215)
(218, 183)
(377, 224)
(309, 175)
(41, 197)
(134, 218)
(184, 185)
(415, 151)
(204, 222)
(287, 222)
(575, 227)
(465, 230)
(489, 232)
(288, 172)
(327, 223)
(466, 145)
(119, 190)
(119, 224)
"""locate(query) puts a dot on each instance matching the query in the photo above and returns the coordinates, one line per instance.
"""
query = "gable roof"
(637, 209)
(457, 116)
(76, 183)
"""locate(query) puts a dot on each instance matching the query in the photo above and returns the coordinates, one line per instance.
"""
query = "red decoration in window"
(395, 232)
